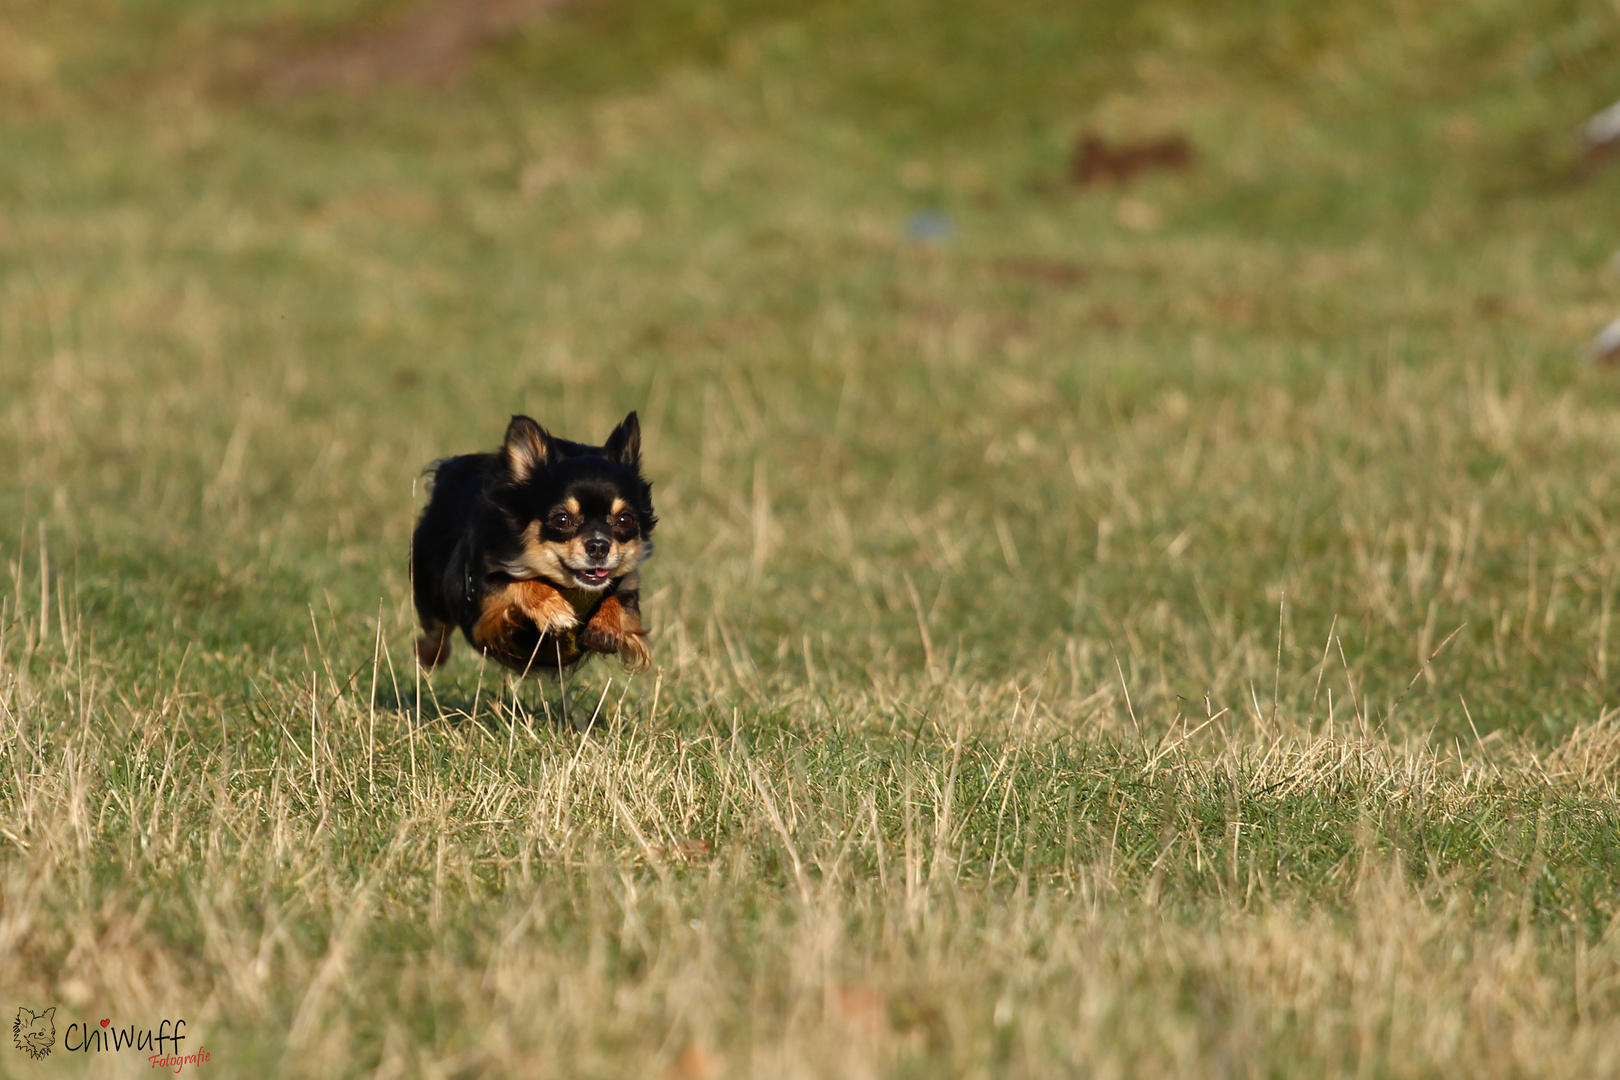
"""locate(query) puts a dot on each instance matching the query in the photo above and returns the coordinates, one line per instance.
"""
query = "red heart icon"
(104, 1023)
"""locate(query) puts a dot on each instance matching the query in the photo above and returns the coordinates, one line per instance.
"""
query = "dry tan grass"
(840, 897)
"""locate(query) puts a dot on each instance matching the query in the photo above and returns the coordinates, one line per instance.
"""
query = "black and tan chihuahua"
(534, 551)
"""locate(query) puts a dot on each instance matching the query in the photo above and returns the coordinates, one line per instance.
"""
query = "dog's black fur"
(534, 551)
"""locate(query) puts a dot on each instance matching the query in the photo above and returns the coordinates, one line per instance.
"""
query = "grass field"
(1158, 630)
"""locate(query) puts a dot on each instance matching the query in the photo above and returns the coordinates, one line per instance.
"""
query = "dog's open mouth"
(591, 577)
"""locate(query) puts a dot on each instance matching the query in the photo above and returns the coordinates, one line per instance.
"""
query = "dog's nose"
(597, 547)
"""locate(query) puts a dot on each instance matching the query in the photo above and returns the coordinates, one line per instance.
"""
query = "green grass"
(1197, 662)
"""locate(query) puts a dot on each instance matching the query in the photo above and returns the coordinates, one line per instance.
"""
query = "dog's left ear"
(624, 445)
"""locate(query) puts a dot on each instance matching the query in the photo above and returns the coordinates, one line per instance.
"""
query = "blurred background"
(1189, 334)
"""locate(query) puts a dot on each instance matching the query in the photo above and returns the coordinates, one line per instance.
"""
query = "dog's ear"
(528, 448)
(624, 445)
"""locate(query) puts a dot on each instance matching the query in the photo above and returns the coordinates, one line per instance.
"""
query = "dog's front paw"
(597, 639)
(600, 638)
(616, 629)
(545, 606)
(605, 632)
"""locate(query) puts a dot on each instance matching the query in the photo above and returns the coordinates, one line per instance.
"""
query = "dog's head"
(584, 513)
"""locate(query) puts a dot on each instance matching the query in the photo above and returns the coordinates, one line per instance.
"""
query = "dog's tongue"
(592, 577)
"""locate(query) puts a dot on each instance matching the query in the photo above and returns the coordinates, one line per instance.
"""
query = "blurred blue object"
(929, 226)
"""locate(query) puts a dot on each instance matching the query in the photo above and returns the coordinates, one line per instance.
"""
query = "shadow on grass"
(493, 708)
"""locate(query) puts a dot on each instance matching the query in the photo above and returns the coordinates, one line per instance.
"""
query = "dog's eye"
(624, 526)
(560, 520)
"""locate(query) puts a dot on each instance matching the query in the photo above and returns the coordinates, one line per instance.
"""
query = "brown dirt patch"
(429, 47)
(1058, 273)
(1097, 161)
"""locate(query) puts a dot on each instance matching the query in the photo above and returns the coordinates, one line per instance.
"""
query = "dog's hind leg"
(434, 644)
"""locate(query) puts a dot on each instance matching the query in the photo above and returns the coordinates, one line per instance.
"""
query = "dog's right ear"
(528, 448)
